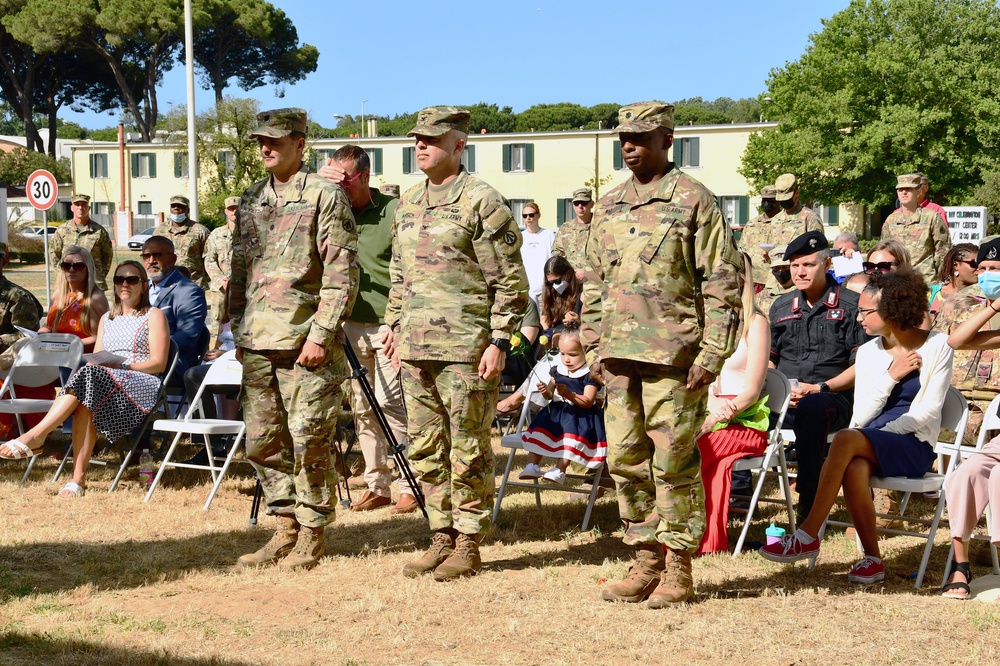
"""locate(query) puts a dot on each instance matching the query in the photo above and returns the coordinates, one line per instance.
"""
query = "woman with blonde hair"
(887, 256)
(79, 303)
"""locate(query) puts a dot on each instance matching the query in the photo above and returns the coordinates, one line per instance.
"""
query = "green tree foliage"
(489, 117)
(552, 117)
(888, 86)
(17, 165)
(250, 40)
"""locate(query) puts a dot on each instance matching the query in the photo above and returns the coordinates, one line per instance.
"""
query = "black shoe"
(201, 458)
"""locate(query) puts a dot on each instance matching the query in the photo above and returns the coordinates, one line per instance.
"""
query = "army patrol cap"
(279, 123)
(80, 197)
(582, 194)
(232, 201)
(178, 200)
(768, 192)
(439, 120)
(644, 117)
(390, 190)
(989, 250)
(777, 255)
(810, 242)
(908, 180)
(785, 187)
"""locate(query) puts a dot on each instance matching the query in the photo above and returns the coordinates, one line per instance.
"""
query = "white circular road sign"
(42, 189)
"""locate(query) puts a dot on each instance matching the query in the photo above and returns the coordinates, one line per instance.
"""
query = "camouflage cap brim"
(428, 130)
(270, 132)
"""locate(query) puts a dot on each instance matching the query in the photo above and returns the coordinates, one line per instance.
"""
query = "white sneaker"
(531, 471)
(555, 475)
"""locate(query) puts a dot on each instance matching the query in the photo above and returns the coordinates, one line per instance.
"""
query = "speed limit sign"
(42, 189)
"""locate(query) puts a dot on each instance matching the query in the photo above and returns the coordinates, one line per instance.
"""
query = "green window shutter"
(618, 162)
(744, 210)
(471, 158)
(177, 165)
(529, 157)
(506, 157)
(91, 161)
(560, 212)
(407, 156)
(834, 216)
(378, 160)
(135, 165)
(152, 165)
(695, 151)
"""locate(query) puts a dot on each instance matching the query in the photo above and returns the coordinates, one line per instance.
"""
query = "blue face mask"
(990, 284)
(178, 218)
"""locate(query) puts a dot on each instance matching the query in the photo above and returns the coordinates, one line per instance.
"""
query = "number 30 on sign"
(42, 189)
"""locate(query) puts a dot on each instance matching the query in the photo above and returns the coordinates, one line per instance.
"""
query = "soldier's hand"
(312, 355)
(699, 377)
(332, 171)
(389, 347)
(597, 372)
(492, 363)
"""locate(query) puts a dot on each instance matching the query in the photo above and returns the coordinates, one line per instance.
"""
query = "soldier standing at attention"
(83, 231)
(189, 239)
(661, 314)
(458, 290)
(295, 277)
(922, 231)
(571, 237)
(760, 230)
(219, 262)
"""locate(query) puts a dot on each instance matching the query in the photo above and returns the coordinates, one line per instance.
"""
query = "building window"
(829, 214)
(145, 208)
(469, 159)
(320, 156)
(410, 160)
(564, 211)
(736, 209)
(616, 159)
(516, 206)
(144, 165)
(375, 156)
(227, 162)
(180, 165)
(98, 165)
(518, 157)
(687, 152)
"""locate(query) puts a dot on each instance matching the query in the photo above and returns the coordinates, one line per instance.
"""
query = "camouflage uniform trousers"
(652, 422)
(449, 412)
(291, 414)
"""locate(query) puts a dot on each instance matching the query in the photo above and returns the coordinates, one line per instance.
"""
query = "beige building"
(544, 167)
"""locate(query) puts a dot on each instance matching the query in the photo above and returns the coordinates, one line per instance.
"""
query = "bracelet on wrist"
(990, 303)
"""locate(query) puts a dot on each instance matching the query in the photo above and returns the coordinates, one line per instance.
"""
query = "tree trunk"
(53, 123)
(130, 101)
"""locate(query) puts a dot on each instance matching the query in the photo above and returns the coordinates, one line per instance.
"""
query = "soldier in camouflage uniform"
(661, 313)
(219, 262)
(921, 230)
(571, 237)
(758, 231)
(458, 290)
(189, 239)
(18, 307)
(83, 231)
(778, 282)
(294, 280)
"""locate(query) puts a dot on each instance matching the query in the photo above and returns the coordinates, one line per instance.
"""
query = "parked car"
(135, 242)
(37, 232)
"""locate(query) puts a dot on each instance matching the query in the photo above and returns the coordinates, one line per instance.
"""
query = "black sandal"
(947, 588)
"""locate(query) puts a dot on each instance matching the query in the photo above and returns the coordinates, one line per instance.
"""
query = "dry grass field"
(109, 580)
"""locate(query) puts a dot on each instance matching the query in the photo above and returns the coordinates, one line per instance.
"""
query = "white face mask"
(178, 218)
(561, 287)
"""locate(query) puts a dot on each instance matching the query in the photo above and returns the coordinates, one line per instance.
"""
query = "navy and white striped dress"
(119, 399)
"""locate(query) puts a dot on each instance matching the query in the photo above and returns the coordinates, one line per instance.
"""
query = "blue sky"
(403, 56)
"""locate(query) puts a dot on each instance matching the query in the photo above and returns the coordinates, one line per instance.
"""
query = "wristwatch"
(502, 345)
(823, 387)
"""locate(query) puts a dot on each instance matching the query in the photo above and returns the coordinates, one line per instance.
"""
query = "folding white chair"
(38, 364)
(514, 442)
(954, 415)
(778, 392)
(991, 424)
(225, 371)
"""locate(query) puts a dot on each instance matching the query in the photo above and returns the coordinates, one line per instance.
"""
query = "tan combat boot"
(465, 561)
(308, 549)
(642, 578)
(442, 546)
(676, 584)
(280, 545)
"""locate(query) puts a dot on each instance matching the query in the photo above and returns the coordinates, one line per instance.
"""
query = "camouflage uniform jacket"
(295, 268)
(457, 280)
(189, 245)
(17, 306)
(571, 242)
(92, 236)
(924, 235)
(769, 294)
(219, 257)
(779, 230)
(975, 373)
(662, 278)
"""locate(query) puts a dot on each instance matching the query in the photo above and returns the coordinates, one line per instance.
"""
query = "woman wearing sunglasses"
(958, 271)
(887, 256)
(115, 396)
(79, 303)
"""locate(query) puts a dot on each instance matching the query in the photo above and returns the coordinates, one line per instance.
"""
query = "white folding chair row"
(778, 392)
(225, 371)
(37, 364)
(954, 416)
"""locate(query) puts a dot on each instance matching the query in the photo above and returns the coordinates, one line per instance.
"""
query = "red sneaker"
(866, 572)
(790, 549)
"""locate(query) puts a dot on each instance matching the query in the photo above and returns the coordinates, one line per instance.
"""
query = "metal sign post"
(42, 190)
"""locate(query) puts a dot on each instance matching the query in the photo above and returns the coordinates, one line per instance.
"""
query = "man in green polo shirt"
(373, 210)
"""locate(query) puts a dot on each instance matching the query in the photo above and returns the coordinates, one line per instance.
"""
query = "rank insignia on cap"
(812, 243)
(628, 114)
(992, 253)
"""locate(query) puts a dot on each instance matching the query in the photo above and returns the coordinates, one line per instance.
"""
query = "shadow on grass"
(34, 648)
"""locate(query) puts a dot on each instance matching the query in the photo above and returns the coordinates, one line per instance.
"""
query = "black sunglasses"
(972, 262)
(68, 266)
(151, 255)
(131, 279)
(527, 215)
(880, 267)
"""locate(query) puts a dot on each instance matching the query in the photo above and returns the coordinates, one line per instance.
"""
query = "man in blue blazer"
(180, 299)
